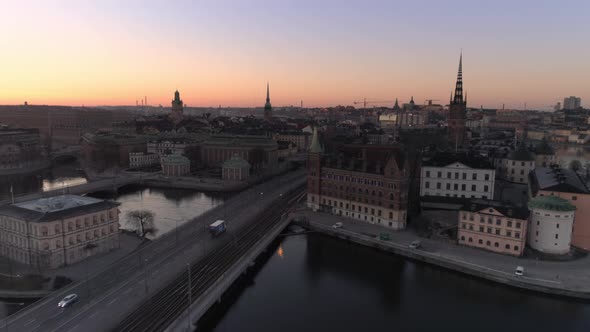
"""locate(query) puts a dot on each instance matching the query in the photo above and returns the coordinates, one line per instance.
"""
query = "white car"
(519, 271)
(337, 225)
(415, 244)
(66, 301)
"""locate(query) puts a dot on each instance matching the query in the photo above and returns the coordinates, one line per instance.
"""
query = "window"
(517, 225)
(498, 222)
(487, 177)
(489, 230)
(456, 186)
(488, 243)
(438, 185)
(490, 220)
(507, 246)
(464, 176)
(427, 174)
(497, 231)
(470, 240)
(496, 244)
(485, 188)
(481, 219)
(448, 175)
(471, 217)
(462, 238)
(517, 235)
(474, 176)
(510, 223)
(456, 175)
(427, 184)
(556, 236)
(470, 227)
(574, 198)
(448, 186)
(556, 225)
(480, 241)
(463, 225)
(508, 233)
(515, 248)
(464, 215)
(473, 187)
(463, 187)
(481, 228)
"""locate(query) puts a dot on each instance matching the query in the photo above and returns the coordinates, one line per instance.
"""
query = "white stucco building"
(457, 175)
(517, 165)
(140, 159)
(550, 229)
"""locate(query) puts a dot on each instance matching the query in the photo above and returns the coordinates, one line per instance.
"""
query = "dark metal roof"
(38, 216)
(443, 159)
(505, 208)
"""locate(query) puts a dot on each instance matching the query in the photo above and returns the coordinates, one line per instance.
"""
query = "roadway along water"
(316, 283)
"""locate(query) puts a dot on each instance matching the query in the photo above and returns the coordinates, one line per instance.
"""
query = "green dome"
(552, 203)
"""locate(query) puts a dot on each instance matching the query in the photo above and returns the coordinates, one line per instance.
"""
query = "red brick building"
(363, 182)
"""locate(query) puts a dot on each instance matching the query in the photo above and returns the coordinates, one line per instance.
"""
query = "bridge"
(70, 152)
(104, 184)
(147, 290)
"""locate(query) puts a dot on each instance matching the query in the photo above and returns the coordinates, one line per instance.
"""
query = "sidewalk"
(571, 276)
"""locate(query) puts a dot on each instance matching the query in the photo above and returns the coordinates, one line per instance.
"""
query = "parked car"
(415, 244)
(519, 271)
(68, 300)
(337, 225)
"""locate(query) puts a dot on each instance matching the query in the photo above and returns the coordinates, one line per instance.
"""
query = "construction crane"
(365, 102)
(430, 101)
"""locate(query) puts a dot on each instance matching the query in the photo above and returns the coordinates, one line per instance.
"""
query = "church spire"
(267, 93)
(396, 106)
(459, 86)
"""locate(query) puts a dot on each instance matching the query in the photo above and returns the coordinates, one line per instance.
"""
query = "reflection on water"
(317, 283)
(59, 176)
(171, 207)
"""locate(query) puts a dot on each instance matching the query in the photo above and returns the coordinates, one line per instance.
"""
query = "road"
(109, 296)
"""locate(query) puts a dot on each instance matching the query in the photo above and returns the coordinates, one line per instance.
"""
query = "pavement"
(110, 295)
(571, 275)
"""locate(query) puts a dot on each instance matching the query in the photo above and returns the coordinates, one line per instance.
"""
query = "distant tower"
(457, 111)
(177, 107)
(267, 105)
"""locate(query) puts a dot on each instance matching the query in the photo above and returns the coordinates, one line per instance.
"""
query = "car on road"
(68, 300)
(415, 244)
(337, 225)
(519, 271)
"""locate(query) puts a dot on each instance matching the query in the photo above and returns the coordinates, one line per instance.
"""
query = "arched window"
(507, 246)
(462, 238)
(470, 240)
(496, 244)
(480, 241)
(488, 243)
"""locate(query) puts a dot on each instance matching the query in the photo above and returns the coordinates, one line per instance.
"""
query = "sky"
(322, 52)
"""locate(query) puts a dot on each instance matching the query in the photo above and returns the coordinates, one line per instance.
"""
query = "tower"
(457, 111)
(314, 161)
(267, 105)
(177, 108)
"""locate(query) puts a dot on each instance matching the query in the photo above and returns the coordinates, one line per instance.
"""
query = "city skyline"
(327, 54)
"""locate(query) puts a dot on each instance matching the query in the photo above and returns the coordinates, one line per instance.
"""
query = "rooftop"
(175, 159)
(521, 154)
(553, 203)
(505, 208)
(56, 208)
(443, 159)
(236, 162)
(557, 179)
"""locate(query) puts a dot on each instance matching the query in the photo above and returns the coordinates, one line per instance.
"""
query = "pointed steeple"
(396, 106)
(267, 93)
(315, 146)
(459, 85)
(412, 100)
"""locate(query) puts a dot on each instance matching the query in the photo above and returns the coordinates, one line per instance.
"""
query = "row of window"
(489, 243)
(366, 210)
(490, 230)
(45, 245)
(482, 219)
(486, 188)
(44, 230)
(463, 175)
(426, 193)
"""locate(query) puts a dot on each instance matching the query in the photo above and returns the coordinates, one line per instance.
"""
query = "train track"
(158, 312)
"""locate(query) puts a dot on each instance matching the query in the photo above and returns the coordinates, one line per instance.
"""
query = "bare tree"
(142, 221)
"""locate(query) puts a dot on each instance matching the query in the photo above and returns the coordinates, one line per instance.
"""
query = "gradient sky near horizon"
(326, 53)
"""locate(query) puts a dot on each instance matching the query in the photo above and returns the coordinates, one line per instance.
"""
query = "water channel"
(315, 283)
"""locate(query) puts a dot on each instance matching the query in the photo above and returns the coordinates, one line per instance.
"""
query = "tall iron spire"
(267, 93)
(459, 86)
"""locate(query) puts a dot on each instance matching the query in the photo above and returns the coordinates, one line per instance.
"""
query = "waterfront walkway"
(568, 278)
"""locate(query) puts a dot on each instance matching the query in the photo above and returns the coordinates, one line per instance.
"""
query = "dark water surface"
(315, 283)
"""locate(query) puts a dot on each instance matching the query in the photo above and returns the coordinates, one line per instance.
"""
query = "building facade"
(104, 151)
(566, 184)
(176, 114)
(363, 183)
(141, 159)
(572, 103)
(552, 220)
(235, 169)
(261, 152)
(493, 226)
(21, 151)
(517, 165)
(457, 175)
(458, 112)
(175, 165)
(52, 232)
(300, 140)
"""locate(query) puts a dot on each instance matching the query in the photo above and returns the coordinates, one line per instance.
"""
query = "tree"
(142, 221)
(575, 165)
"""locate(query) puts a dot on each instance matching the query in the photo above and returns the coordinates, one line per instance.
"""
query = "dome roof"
(552, 203)
(235, 162)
